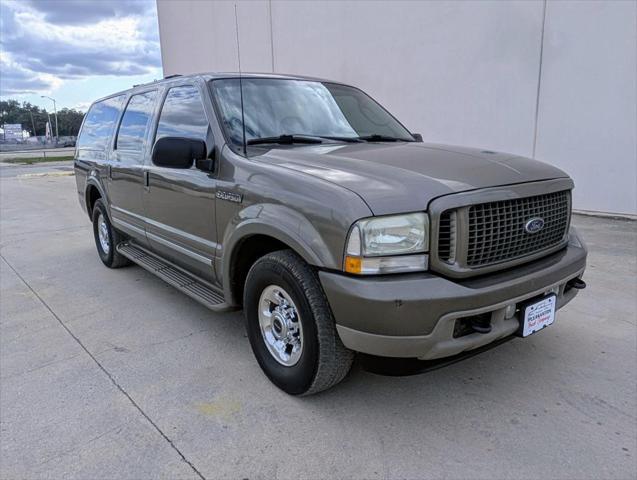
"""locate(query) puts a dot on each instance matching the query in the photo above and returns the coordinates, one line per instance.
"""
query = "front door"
(126, 168)
(179, 204)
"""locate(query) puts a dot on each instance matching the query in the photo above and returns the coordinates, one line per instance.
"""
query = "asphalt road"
(114, 374)
(50, 152)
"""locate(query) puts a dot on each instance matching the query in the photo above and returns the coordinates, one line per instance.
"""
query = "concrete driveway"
(114, 374)
(38, 169)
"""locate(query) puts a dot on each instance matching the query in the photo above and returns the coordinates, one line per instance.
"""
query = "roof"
(214, 76)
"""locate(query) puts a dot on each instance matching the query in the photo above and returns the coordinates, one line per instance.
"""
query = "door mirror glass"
(417, 137)
(177, 152)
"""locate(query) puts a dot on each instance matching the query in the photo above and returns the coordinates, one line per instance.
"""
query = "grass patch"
(32, 160)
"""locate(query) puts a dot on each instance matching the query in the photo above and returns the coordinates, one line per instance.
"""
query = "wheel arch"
(250, 239)
(92, 193)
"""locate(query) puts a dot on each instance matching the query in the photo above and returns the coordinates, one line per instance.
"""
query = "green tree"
(27, 114)
(69, 121)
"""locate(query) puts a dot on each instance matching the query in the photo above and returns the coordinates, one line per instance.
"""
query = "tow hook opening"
(474, 324)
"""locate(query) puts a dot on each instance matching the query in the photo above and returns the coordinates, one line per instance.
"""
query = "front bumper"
(413, 316)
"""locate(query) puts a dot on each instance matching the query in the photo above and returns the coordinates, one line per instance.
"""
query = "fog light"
(509, 312)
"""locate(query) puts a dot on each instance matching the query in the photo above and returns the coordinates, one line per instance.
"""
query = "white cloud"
(45, 43)
(15, 79)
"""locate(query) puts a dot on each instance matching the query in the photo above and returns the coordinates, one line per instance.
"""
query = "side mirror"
(177, 152)
(417, 137)
(206, 164)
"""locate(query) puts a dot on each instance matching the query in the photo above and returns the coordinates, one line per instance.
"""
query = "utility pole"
(35, 134)
(55, 112)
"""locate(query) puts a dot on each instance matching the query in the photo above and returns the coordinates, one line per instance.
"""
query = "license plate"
(538, 315)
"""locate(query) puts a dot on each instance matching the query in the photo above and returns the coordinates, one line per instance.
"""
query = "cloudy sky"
(76, 50)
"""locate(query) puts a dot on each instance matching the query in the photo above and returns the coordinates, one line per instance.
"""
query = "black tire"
(324, 361)
(110, 258)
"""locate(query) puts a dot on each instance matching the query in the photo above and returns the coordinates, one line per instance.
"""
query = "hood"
(405, 177)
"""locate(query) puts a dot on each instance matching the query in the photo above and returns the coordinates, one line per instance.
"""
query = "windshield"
(276, 107)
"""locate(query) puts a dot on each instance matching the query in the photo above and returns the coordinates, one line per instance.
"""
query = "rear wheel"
(107, 238)
(291, 327)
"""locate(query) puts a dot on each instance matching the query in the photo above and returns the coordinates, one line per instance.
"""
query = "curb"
(46, 174)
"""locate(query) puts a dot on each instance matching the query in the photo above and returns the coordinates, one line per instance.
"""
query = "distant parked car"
(37, 140)
(66, 142)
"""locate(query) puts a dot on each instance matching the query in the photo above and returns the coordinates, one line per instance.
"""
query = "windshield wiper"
(382, 138)
(285, 140)
(288, 139)
(342, 139)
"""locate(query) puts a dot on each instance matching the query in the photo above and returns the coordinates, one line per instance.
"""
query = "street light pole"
(55, 112)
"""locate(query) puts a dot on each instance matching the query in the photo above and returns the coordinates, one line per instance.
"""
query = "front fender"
(287, 226)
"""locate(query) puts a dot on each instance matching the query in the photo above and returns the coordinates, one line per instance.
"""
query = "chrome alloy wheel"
(102, 234)
(280, 325)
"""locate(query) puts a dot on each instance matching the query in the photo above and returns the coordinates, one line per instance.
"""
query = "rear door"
(179, 204)
(130, 148)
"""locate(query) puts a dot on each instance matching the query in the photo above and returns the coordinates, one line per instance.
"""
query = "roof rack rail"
(145, 83)
(175, 75)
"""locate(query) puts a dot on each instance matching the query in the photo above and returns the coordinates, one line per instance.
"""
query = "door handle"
(146, 180)
(110, 172)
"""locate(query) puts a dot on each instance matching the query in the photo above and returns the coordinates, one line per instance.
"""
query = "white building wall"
(556, 81)
(588, 101)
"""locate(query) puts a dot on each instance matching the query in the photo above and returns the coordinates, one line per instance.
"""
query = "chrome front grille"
(473, 237)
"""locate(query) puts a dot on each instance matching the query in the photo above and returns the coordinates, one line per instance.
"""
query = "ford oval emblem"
(534, 225)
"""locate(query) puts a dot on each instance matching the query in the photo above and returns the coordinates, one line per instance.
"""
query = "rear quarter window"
(99, 123)
(135, 122)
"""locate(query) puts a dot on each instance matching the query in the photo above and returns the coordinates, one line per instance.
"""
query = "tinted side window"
(182, 115)
(132, 129)
(99, 123)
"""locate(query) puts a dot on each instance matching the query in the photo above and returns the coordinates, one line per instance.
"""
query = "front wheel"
(291, 327)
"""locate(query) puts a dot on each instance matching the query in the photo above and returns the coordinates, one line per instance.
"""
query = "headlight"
(389, 244)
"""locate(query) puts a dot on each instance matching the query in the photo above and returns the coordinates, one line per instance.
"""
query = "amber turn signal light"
(353, 264)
